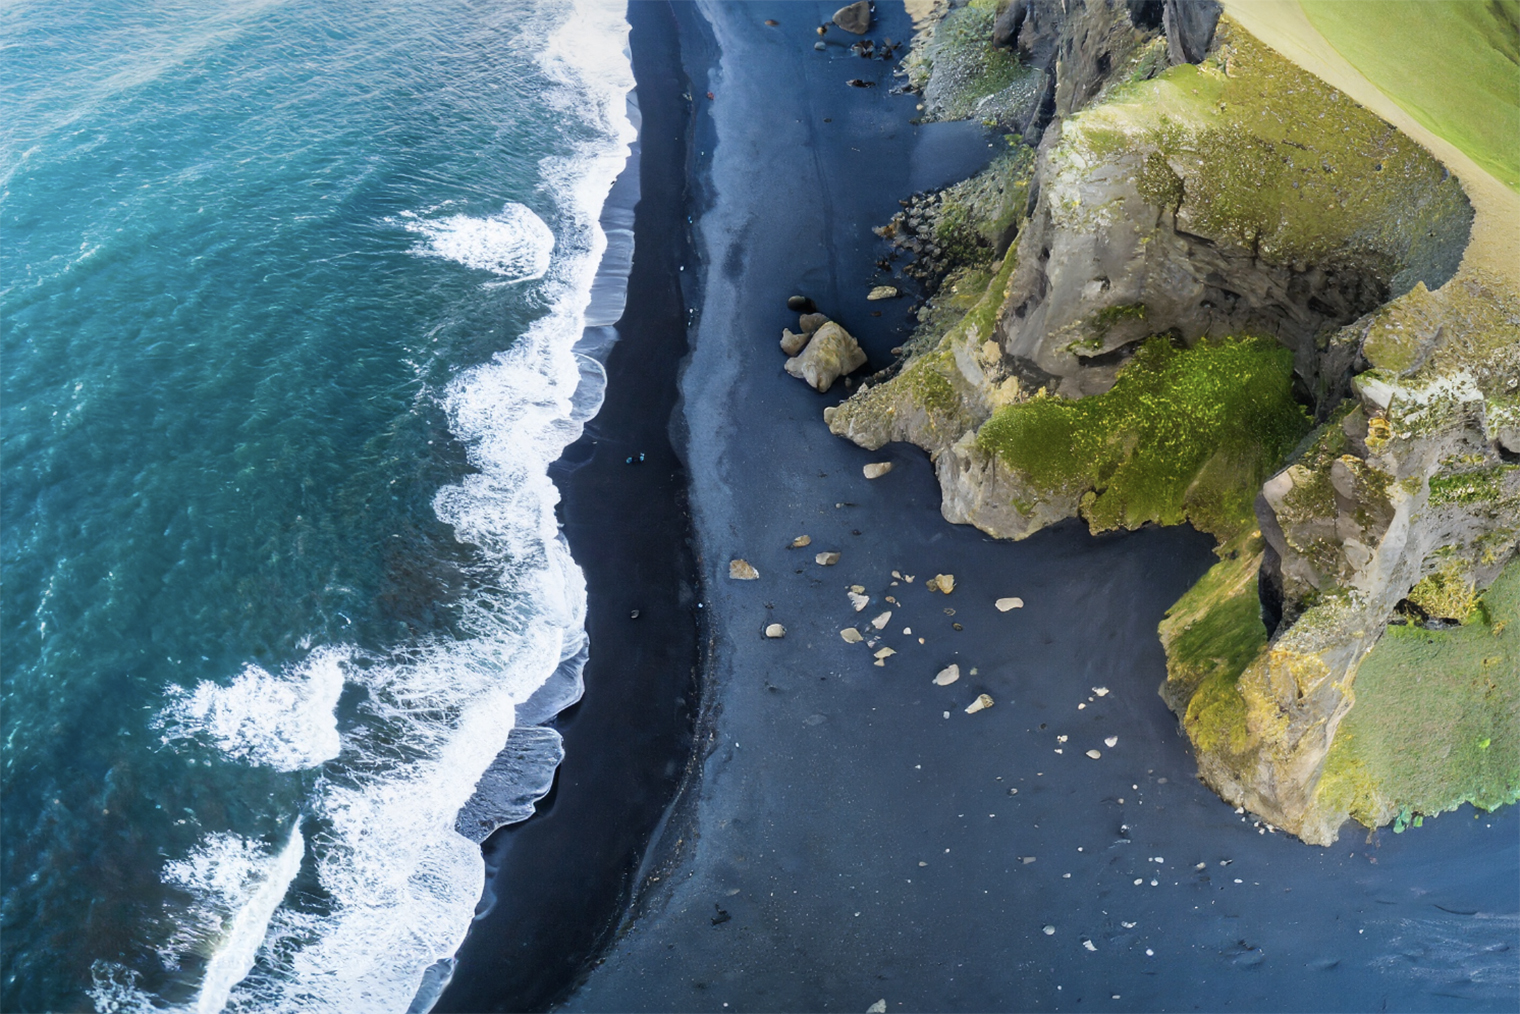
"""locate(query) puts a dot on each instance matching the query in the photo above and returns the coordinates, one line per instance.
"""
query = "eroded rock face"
(1410, 479)
(1241, 197)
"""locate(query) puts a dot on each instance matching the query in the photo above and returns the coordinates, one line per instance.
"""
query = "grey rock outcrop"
(1190, 28)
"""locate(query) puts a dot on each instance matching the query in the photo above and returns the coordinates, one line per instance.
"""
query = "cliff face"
(1202, 244)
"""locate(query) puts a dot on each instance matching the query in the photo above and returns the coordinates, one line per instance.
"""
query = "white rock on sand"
(851, 635)
(941, 583)
(982, 703)
(859, 601)
(885, 653)
(877, 469)
(741, 570)
(948, 675)
(883, 292)
(1095, 754)
(1111, 742)
(879, 1007)
(775, 630)
(1012, 602)
(826, 559)
(801, 541)
(881, 621)
(792, 343)
(1100, 691)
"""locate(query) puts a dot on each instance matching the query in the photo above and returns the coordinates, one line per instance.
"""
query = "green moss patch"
(1183, 435)
(1437, 718)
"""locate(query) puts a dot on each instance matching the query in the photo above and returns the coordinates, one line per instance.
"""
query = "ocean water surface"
(291, 293)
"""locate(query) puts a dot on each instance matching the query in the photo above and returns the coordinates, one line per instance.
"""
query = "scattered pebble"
(1012, 602)
(741, 570)
(982, 703)
(802, 540)
(775, 630)
(859, 601)
(877, 469)
(826, 559)
(1111, 742)
(1149, 953)
(881, 621)
(1089, 945)
(851, 635)
(941, 583)
(1026, 860)
(885, 653)
(857, 588)
(1100, 691)
(1095, 754)
(1050, 931)
(883, 292)
(907, 631)
(1061, 739)
(948, 675)
(879, 1007)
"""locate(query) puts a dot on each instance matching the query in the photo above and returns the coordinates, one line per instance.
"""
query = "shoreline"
(556, 882)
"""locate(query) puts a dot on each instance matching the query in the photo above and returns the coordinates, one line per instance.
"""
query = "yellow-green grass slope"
(1396, 49)
(1437, 719)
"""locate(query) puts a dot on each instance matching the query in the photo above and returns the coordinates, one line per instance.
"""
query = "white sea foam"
(514, 243)
(257, 899)
(400, 882)
(282, 721)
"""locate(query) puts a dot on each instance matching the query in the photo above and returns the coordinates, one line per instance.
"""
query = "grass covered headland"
(1452, 66)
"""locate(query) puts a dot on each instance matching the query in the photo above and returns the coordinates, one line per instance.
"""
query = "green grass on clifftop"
(1183, 435)
(1454, 65)
(1437, 719)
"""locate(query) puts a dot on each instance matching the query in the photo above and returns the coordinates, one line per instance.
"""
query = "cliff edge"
(1206, 286)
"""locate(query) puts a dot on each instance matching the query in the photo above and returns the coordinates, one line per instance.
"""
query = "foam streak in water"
(285, 722)
(514, 243)
(235, 957)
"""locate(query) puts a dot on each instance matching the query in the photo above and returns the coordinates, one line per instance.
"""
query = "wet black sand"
(789, 876)
(556, 883)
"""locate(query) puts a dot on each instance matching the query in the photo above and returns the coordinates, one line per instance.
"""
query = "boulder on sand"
(799, 304)
(810, 322)
(855, 19)
(831, 354)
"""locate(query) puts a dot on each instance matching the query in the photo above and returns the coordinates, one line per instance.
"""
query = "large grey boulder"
(856, 18)
(831, 354)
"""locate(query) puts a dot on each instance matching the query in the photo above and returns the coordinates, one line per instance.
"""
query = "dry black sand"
(842, 841)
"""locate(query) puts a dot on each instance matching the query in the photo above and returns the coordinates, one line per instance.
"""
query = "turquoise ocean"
(294, 299)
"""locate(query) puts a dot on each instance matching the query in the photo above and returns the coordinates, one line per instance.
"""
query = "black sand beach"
(851, 834)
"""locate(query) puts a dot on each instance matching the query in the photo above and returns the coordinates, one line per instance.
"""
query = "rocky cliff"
(1235, 298)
